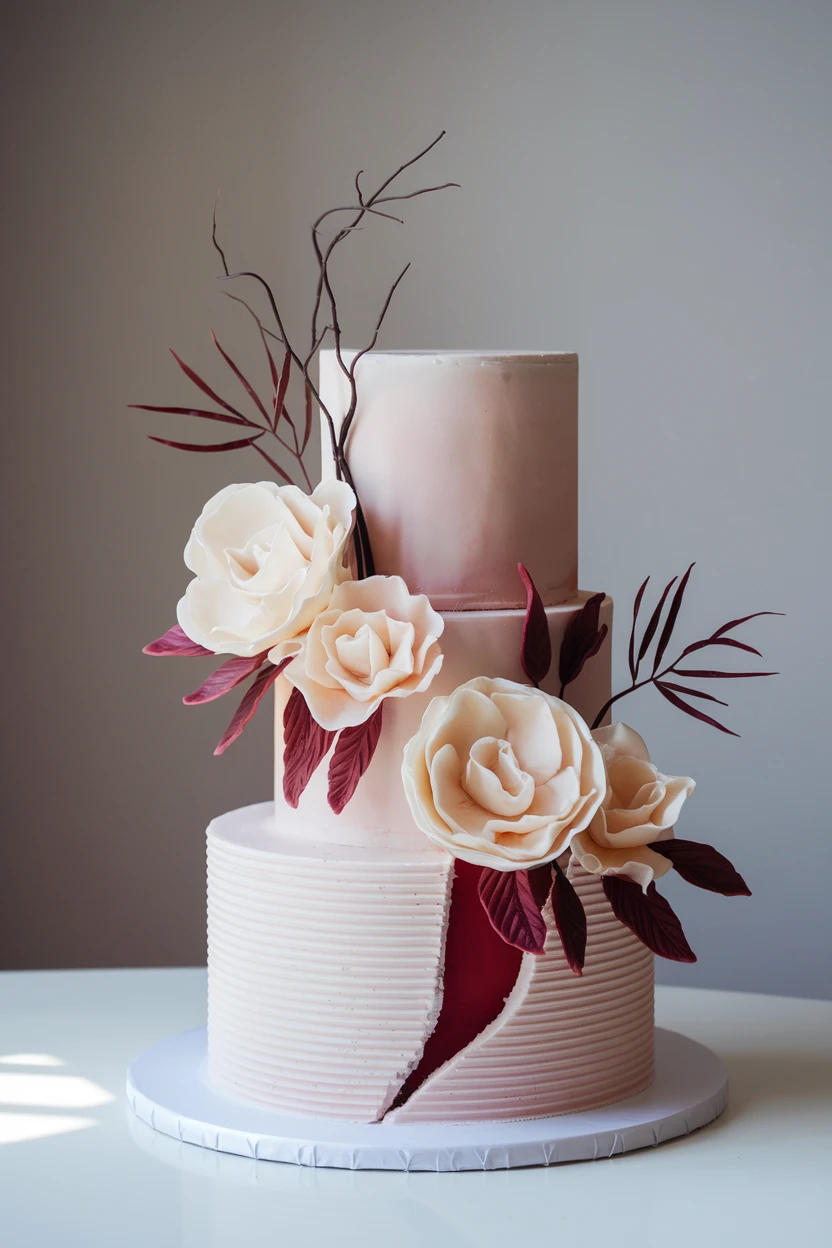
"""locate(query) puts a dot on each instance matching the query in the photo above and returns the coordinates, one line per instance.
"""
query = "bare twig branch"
(214, 237)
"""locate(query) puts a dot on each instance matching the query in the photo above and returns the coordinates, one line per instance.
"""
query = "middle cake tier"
(474, 643)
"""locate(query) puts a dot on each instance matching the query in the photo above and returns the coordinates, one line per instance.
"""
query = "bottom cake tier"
(325, 983)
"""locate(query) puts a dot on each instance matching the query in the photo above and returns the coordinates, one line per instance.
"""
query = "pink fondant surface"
(474, 643)
(464, 464)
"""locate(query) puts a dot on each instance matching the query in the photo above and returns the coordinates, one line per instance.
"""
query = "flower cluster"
(273, 587)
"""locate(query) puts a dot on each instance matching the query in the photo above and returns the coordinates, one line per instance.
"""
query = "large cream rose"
(376, 641)
(267, 558)
(502, 775)
(640, 806)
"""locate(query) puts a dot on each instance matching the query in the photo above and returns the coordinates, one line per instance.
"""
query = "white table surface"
(77, 1169)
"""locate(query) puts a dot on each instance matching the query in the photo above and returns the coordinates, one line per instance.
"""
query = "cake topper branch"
(272, 423)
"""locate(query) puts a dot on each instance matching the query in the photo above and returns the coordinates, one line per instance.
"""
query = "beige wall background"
(645, 182)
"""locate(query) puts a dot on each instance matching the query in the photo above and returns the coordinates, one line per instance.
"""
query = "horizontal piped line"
(323, 921)
(282, 909)
(480, 1092)
(356, 935)
(372, 1047)
(540, 1063)
(265, 952)
(332, 1068)
(395, 884)
(372, 1014)
(333, 1014)
(314, 1092)
(365, 874)
(282, 981)
(353, 1111)
(409, 967)
(562, 1087)
(612, 1031)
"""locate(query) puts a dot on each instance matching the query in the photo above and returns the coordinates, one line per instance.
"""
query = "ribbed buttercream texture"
(324, 975)
(564, 1043)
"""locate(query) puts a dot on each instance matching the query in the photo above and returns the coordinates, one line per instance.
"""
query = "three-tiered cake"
(353, 971)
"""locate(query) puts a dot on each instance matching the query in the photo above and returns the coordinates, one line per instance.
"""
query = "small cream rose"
(502, 775)
(376, 641)
(640, 806)
(267, 558)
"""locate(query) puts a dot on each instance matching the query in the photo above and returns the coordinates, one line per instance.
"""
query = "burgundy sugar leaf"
(703, 866)
(540, 882)
(306, 745)
(718, 641)
(708, 674)
(570, 920)
(204, 387)
(280, 389)
(581, 640)
(636, 607)
(675, 700)
(691, 693)
(512, 910)
(217, 446)
(175, 642)
(649, 917)
(653, 623)
(672, 616)
(201, 412)
(224, 679)
(536, 644)
(244, 382)
(252, 698)
(726, 628)
(353, 755)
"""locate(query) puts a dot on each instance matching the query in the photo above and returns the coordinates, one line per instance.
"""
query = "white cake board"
(167, 1088)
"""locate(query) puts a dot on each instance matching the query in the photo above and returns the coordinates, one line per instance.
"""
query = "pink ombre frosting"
(465, 462)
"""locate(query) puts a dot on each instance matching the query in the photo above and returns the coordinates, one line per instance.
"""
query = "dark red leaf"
(245, 383)
(649, 917)
(708, 674)
(175, 642)
(204, 387)
(512, 910)
(306, 744)
(252, 698)
(636, 606)
(281, 388)
(743, 620)
(676, 701)
(581, 640)
(190, 411)
(536, 644)
(570, 920)
(540, 882)
(217, 446)
(703, 866)
(691, 693)
(718, 641)
(351, 758)
(653, 623)
(672, 616)
(224, 679)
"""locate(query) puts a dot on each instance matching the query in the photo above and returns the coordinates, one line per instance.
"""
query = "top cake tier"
(465, 463)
